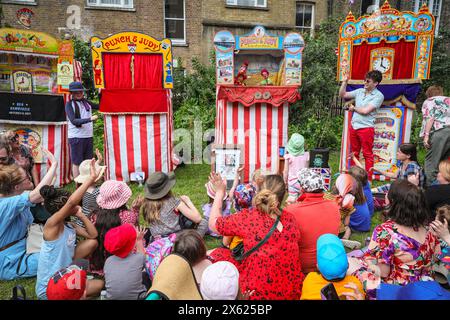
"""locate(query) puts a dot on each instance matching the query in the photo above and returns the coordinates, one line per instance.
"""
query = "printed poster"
(388, 124)
(30, 136)
(65, 74)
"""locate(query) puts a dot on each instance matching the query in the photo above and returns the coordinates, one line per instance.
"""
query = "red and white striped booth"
(261, 126)
(134, 73)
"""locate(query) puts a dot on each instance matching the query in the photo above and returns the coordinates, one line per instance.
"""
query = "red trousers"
(363, 138)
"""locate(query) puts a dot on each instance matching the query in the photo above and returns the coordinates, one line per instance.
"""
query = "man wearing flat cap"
(80, 126)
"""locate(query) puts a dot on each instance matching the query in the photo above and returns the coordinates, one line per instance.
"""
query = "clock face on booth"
(382, 59)
(382, 64)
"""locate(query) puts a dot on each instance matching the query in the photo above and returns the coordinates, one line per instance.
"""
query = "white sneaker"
(351, 244)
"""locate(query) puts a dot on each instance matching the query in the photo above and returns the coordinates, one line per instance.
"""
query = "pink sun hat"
(113, 194)
(211, 190)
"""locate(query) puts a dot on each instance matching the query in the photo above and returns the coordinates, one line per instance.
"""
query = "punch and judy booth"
(35, 71)
(134, 73)
(399, 45)
(258, 76)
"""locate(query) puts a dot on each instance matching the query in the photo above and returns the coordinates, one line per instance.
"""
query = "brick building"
(191, 24)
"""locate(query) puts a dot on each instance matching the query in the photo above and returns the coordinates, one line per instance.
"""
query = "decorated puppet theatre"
(399, 45)
(258, 76)
(134, 73)
(35, 71)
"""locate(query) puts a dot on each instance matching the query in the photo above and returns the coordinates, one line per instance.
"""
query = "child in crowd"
(220, 281)
(89, 201)
(407, 154)
(58, 248)
(113, 212)
(242, 199)
(332, 264)
(344, 194)
(295, 159)
(361, 218)
(190, 245)
(61, 284)
(226, 208)
(124, 269)
(161, 209)
(360, 174)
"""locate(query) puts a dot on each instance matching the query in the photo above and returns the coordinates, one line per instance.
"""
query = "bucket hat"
(220, 281)
(113, 194)
(158, 185)
(310, 180)
(85, 171)
(296, 145)
(76, 86)
(211, 191)
(121, 240)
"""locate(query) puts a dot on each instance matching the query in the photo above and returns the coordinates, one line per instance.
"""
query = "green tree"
(83, 54)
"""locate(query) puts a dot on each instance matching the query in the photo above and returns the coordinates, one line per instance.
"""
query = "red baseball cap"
(120, 240)
(67, 284)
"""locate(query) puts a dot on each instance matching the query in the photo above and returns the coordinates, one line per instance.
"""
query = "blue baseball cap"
(331, 257)
(420, 290)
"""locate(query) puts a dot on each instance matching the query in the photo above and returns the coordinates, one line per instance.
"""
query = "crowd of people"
(284, 237)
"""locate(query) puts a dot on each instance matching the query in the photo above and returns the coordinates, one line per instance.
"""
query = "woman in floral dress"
(402, 249)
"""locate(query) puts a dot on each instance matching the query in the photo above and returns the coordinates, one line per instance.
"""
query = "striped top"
(88, 205)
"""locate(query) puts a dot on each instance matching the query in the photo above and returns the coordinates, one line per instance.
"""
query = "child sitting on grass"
(332, 264)
(58, 248)
(124, 269)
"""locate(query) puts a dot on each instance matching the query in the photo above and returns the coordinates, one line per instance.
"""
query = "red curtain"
(134, 101)
(148, 71)
(117, 70)
(403, 59)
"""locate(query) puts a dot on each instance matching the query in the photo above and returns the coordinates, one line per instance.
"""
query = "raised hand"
(50, 156)
(94, 171)
(141, 231)
(99, 156)
(218, 182)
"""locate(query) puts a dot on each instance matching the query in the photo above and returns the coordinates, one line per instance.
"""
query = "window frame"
(236, 4)
(176, 41)
(98, 4)
(22, 2)
(313, 17)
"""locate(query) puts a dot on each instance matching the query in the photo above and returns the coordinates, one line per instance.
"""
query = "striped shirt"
(88, 205)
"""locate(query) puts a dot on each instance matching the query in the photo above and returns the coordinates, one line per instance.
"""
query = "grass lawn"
(190, 181)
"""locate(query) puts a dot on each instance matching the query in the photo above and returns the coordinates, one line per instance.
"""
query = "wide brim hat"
(113, 194)
(211, 191)
(174, 279)
(158, 185)
(85, 171)
(296, 145)
(76, 86)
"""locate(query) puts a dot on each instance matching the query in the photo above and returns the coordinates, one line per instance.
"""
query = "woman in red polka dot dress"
(273, 271)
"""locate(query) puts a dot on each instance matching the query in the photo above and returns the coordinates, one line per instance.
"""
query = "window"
(435, 7)
(369, 6)
(248, 3)
(304, 19)
(19, 1)
(174, 21)
(128, 4)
